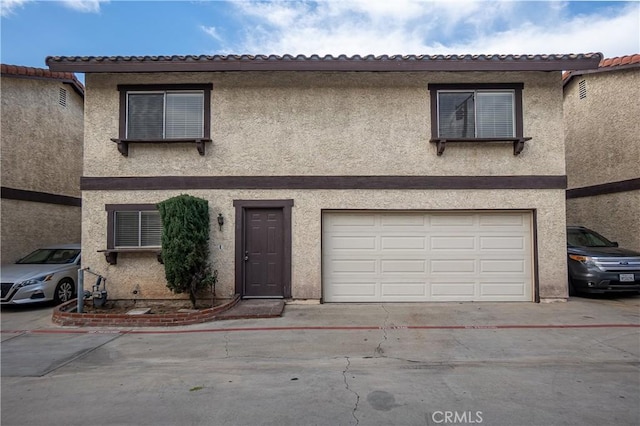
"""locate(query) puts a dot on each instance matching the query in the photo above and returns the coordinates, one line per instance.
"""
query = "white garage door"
(418, 256)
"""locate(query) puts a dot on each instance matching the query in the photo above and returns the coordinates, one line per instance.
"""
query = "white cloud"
(420, 27)
(8, 7)
(212, 32)
(613, 36)
(85, 6)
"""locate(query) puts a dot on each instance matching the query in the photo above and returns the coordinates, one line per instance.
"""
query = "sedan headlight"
(585, 260)
(34, 281)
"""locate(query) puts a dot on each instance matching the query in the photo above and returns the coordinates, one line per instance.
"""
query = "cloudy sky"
(32, 30)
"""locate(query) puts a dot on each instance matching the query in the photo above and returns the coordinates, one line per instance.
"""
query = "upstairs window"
(171, 112)
(482, 111)
(475, 114)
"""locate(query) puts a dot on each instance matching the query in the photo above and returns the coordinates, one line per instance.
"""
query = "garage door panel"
(403, 243)
(452, 243)
(503, 220)
(502, 243)
(404, 266)
(415, 289)
(353, 266)
(348, 288)
(515, 288)
(455, 288)
(502, 266)
(422, 256)
(352, 242)
(352, 221)
(454, 220)
(447, 266)
(400, 221)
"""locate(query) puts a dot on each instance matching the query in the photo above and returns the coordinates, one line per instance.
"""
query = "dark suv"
(597, 265)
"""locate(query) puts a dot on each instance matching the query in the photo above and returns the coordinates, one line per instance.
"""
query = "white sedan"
(47, 274)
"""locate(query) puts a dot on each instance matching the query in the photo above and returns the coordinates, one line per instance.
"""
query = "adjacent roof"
(607, 64)
(42, 74)
(201, 63)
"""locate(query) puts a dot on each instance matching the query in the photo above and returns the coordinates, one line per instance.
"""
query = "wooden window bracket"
(111, 255)
(518, 143)
(123, 144)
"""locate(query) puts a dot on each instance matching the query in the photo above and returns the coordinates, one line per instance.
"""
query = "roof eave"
(144, 66)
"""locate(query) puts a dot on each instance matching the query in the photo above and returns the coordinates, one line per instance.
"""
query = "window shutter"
(145, 116)
(495, 115)
(127, 225)
(150, 228)
(456, 115)
(184, 115)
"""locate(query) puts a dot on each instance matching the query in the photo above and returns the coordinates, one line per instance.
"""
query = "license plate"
(626, 278)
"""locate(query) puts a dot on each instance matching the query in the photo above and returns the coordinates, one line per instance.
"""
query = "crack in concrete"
(378, 351)
(605, 343)
(346, 384)
(226, 344)
(80, 355)
(13, 337)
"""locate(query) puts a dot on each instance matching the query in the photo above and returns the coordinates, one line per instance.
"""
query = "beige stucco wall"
(616, 216)
(602, 146)
(41, 140)
(27, 226)
(143, 272)
(320, 124)
(42, 152)
(602, 131)
(325, 124)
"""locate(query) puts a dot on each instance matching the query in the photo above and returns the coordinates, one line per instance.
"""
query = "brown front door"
(263, 253)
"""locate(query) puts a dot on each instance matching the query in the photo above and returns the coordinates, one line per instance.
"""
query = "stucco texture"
(142, 272)
(291, 123)
(41, 140)
(602, 131)
(616, 216)
(27, 226)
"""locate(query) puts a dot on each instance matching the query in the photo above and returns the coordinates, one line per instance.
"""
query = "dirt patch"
(122, 307)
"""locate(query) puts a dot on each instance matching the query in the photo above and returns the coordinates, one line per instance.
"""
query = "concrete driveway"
(574, 363)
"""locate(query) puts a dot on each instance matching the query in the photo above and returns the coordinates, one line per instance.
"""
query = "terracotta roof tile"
(606, 64)
(619, 61)
(18, 70)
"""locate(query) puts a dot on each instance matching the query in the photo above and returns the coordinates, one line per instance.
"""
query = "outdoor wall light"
(220, 220)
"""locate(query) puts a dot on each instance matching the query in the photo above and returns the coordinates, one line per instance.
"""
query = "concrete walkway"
(575, 363)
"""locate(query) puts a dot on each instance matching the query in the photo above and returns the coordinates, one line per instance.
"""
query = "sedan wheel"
(64, 291)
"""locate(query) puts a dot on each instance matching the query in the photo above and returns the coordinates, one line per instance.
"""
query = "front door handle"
(246, 256)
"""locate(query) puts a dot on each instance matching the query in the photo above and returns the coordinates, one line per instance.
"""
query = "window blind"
(184, 115)
(494, 115)
(138, 229)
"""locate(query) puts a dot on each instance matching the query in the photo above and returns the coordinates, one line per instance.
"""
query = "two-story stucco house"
(42, 141)
(602, 132)
(340, 179)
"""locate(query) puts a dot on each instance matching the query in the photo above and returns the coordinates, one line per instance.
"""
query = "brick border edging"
(61, 316)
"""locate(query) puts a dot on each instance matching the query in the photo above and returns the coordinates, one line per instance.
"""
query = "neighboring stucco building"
(602, 132)
(331, 174)
(42, 142)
